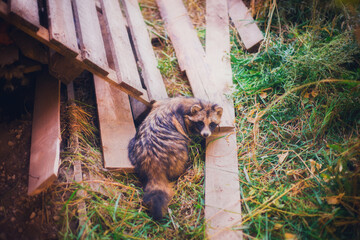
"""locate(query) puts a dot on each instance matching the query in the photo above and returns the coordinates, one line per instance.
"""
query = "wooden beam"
(26, 12)
(222, 190)
(124, 60)
(151, 74)
(43, 36)
(116, 125)
(217, 47)
(63, 68)
(89, 32)
(45, 138)
(249, 32)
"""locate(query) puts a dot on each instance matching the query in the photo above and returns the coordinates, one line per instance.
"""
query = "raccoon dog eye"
(199, 125)
(212, 126)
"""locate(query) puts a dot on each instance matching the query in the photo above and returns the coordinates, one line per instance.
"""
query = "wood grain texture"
(249, 32)
(152, 77)
(45, 137)
(222, 190)
(217, 47)
(43, 36)
(26, 12)
(89, 32)
(124, 59)
(116, 125)
(61, 26)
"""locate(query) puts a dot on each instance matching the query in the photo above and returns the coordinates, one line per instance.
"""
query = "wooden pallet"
(75, 32)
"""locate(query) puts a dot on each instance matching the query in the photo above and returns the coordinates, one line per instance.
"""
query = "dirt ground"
(21, 216)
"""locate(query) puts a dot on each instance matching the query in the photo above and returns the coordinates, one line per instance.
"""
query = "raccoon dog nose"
(205, 135)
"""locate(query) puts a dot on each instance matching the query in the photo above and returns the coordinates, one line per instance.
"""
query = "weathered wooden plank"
(45, 138)
(89, 32)
(249, 32)
(43, 36)
(218, 56)
(116, 125)
(124, 59)
(26, 12)
(222, 194)
(152, 77)
(222, 190)
(61, 26)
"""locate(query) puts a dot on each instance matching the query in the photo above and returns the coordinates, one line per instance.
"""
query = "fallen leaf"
(312, 165)
(263, 95)
(333, 200)
(282, 157)
(314, 93)
(306, 95)
(278, 226)
(290, 236)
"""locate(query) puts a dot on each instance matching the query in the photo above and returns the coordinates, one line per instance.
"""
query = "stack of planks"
(93, 35)
(210, 77)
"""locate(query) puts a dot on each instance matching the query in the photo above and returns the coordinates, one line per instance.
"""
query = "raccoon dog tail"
(157, 201)
(157, 195)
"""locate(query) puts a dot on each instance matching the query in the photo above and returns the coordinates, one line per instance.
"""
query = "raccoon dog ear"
(218, 110)
(195, 108)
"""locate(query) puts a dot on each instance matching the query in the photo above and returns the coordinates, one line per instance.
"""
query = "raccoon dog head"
(203, 118)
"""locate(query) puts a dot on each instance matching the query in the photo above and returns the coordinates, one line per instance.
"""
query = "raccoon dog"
(159, 150)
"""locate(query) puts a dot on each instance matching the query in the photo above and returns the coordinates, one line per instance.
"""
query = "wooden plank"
(89, 32)
(61, 26)
(45, 138)
(26, 12)
(191, 55)
(222, 190)
(124, 60)
(249, 32)
(218, 56)
(116, 125)
(189, 51)
(64, 68)
(152, 77)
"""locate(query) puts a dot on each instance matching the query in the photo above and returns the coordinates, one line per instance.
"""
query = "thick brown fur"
(159, 150)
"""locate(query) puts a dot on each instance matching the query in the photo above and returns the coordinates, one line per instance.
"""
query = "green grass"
(298, 116)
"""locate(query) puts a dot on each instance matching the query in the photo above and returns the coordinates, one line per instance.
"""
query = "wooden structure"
(94, 35)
